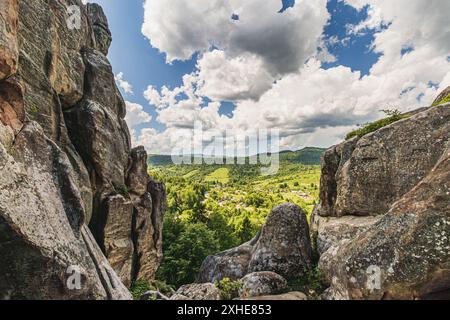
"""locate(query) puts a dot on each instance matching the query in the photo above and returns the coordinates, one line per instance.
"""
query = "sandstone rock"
(9, 54)
(284, 246)
(232, 264)
(262, 284)
(117, 238)
(148, 230)
(331, 233)
(291, 296)
(100, 27)
(43, 240)
(332, 161)
(204, 291)
(12, 111)
(137, 178)
(97, 136)
(383, 166)
(50, 65)
(404, 256)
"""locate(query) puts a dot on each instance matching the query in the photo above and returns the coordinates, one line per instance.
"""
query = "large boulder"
(366, 176)
(283, 246)
(406, 255)
(232, 264)
(262, 284)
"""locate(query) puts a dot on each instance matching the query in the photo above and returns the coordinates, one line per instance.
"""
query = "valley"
(213, 208)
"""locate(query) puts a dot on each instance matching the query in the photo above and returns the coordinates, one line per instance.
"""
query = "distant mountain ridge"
(306, 156)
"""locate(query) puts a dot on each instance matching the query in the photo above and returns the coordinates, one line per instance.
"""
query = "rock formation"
(262, 284)
(66, 161)
(383, 223)
(204, 291)
(283, 246)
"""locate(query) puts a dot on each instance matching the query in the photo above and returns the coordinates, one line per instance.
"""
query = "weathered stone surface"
(204, 291)
(100, 28)
(12, 112)
(50, 63)
(262, 284)
(384, 165)
(117, 238)
(332, 161)
(96, 134)
(9, 54)
(42, 225)
(148, 230)
(331, 233)
(137, 178)
(284, 246)
(232, 264)
(406, 255)
(291, 296)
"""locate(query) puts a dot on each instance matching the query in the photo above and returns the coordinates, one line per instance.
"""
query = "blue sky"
(144, 65)
(350, 38)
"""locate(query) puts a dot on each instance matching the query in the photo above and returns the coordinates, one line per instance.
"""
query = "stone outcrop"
(283, 246)
(383, 223)
(262, 284)
(204, 291)
(367, 176)
(66, 161)
(331, 232)
(232, 264)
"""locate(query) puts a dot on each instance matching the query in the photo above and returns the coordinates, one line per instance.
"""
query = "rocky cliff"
(383, 223)
(75, 199)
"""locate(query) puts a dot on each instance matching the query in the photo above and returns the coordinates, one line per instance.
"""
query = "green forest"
(212, 208)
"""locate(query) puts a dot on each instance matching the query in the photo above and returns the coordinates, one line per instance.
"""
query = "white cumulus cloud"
(136, 114)
(269, 65)
(122, 83)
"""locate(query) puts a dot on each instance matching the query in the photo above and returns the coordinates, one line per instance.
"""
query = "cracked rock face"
(383, 223)
(367, 176)
(66, 162)
(406, 255)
